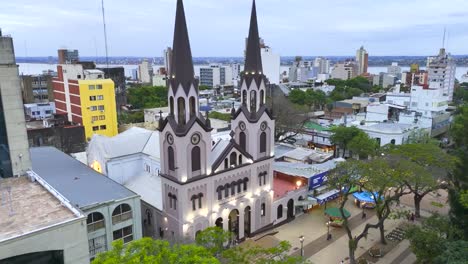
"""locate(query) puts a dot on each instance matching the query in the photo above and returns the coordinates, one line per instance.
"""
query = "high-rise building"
(168, 59)
(87, 98)
(394, 70)
(66, 56)
(362, 60)
(323, 65)
(271, 65)
(441, 73)
(14, 150)
(344, 70)
(215, 75)
(145, 71)
(37, 88)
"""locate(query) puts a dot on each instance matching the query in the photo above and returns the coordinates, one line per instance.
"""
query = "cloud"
(219, 27)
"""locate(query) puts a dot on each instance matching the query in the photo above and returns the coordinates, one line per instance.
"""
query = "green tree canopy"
(147, 96)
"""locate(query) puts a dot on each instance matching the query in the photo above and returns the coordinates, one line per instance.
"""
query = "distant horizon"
(237, 57)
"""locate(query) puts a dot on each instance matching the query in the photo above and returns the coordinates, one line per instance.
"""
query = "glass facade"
(5, 161)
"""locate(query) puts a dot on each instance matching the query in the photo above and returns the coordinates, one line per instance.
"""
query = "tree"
(429, 165)
(213, 239)
(383, 176)
(149, 251)
(221, 116)
(362, 145)
(429, 240)
(247, 253)
(459, 182)
(203, 87)
(131, 117)
(456, 252)
(297, 96)
(342, 136)
(290, 118)
(147, 96)
(376, 176)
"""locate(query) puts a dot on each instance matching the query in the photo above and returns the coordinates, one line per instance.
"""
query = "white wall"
(271, 65)
(70, 237)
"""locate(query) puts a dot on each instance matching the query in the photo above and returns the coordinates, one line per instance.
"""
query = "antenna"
(443, 40)
(105, 33)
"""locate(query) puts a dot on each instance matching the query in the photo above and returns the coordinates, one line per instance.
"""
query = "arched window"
(262, 97)
(196, 162)
(240, 159)
(263, 142)
(239, 185)
(392, 142)
(121, 213)
(242, 140)
(200, 196)
(226, 190)
(192, 106)
(233, 159)
(170, 199)
(181, 110)
(171, 105)
(193, 199)
(262, 210)
(233, 188)
(253, 101)
(95, 221)
(246, 180)
(279, 211)
(244, 97)
(226, 163)
(174, 197)
(149, 215)
(171, 159)
(219, 190)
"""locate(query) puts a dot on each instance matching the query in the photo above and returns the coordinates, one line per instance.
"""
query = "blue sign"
(317, 180)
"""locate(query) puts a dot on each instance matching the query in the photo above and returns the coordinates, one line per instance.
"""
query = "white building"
(389, 133)
(38, 223)
(441, 73)
(362, 58)
(39, 110)
(145, 71)
(394, 70)
(201, 180)
(215, 75)
(271, 65)
(323, 65)
(345, 70)
(167, 60)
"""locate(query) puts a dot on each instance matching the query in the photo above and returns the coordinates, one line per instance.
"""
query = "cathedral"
(216, 182)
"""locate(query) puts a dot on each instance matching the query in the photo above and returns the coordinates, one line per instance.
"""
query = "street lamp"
(328, 230)
(301, 238)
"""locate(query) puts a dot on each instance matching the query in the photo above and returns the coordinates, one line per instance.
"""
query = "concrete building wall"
(69, 237)
(10, 94)
(271, 65)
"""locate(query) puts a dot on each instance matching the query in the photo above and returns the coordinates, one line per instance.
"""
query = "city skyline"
(337, 29)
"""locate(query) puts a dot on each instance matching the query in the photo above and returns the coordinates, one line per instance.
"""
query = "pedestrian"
(412, 217)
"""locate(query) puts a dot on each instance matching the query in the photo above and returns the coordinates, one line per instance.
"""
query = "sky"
(219, 27)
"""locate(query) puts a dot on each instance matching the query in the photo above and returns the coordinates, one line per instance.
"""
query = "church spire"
(182, 64)
(253, 59)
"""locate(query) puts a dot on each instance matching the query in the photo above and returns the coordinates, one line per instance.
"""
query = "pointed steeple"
(253, 59)
(182, 64)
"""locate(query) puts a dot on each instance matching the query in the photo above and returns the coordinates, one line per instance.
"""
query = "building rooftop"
(132, 141)
(149, 187)
(389, 128)
(28, 207)
(81, 185)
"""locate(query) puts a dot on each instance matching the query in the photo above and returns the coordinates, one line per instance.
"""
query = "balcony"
(121, 217)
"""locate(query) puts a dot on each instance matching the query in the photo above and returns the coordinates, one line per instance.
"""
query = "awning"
(328, 196)
(306, 202)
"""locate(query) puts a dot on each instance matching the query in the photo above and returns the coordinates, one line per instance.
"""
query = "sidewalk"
(338, 250)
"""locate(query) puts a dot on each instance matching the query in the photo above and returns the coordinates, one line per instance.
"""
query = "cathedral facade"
(216, 182)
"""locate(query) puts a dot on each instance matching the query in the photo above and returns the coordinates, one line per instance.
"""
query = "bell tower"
(185, 138)
(252, 122)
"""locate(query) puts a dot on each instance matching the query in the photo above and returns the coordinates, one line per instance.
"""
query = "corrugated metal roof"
(74, 180)
(148, 187)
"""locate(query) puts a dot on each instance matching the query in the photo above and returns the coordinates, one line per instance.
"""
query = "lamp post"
(328, 231)
(301, 238)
